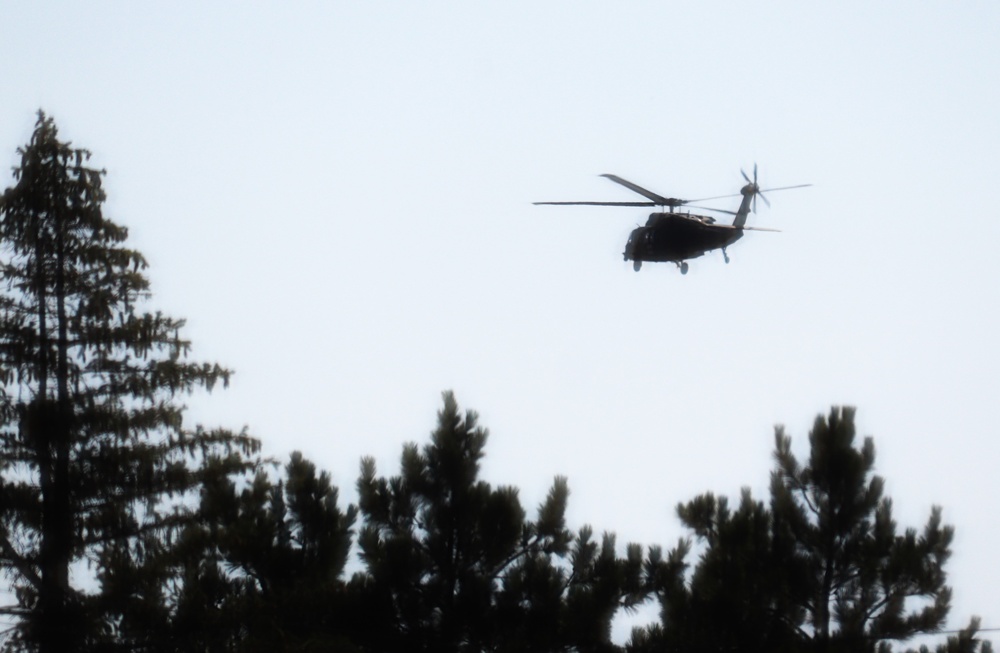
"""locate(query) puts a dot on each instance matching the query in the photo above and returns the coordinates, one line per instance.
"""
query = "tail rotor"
(754, 188)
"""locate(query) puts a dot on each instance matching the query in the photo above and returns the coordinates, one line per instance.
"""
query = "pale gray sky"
(338, 198)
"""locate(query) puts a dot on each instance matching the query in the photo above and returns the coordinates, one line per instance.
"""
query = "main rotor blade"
(708, 208)
(598, 203)
(659, 199)
(771, 190)
(717, 197)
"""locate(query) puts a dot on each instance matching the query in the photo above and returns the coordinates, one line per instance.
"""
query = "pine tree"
(863, 581)
(737, 595)
(823, 568)
(275, 553)
(454, 564)
(96, 463)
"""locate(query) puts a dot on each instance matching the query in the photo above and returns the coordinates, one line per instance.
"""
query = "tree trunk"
(58, 627)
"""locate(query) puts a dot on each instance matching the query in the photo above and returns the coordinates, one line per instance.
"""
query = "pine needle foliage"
(95, 463)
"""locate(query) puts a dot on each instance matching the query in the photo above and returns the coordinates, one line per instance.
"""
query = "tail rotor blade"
(756, 188)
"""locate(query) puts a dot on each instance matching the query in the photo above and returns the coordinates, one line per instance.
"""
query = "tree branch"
(23, 567)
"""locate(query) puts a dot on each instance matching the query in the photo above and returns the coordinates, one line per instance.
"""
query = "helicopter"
(677, 237)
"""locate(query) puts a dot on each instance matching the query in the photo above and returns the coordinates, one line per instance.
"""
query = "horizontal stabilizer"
(743, 228)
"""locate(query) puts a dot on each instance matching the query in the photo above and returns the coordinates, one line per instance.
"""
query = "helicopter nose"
(629, 252)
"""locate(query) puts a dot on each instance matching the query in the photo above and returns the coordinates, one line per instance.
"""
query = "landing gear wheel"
(636, 265)
(684, 268)
(726, 256)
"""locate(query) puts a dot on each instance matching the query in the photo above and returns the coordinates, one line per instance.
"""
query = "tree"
(273, 554)
(863, 582)
(454, 564)
(737, 595)
(95, 462)
(822, 569)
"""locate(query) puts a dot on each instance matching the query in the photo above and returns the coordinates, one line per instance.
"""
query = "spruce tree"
(96, 462)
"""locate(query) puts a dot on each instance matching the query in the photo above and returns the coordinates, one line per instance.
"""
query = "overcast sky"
(337, 196)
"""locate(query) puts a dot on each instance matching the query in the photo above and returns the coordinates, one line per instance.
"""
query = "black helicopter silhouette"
(677, 237)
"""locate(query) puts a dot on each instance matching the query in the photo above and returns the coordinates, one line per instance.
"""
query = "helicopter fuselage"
(676, 237)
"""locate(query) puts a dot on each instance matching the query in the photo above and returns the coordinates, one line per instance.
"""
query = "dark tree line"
(122, 529)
